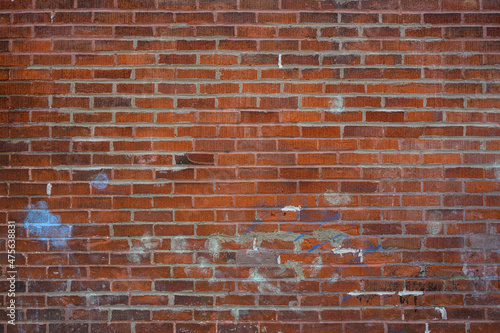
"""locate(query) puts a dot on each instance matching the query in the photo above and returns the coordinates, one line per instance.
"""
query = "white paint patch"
(336, 105)
(444, 315)
(336, 199)
(49, 189)
(279, 62)
(236, 314)
(214, 247)
(427, 330)
(434, 228)
(344, 251)
(254, 245)
(291, 209)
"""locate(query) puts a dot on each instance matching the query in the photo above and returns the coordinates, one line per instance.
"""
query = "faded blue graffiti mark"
(324, 220)
(373, 249)
(308, 216)
(324, 242)
(346, 298)
(42, 224)
(259, 219)
(100, 181)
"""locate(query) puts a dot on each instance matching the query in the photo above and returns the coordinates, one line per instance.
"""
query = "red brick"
(257, 134)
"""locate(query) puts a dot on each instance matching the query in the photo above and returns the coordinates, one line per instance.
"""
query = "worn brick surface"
(251, 165)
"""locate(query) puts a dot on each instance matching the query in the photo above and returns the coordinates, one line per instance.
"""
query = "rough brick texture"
(251, 166)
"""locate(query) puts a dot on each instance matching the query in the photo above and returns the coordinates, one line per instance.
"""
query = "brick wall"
(248, 166)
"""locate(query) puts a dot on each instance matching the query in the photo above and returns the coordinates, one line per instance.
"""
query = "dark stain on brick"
(196, 159)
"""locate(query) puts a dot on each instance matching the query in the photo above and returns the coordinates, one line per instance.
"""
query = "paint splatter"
(100, 181)
(44, 225)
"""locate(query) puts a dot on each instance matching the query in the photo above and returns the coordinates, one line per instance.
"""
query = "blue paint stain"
(100, 181)
(327, 219)
(300, 236)
(42, 224)
(254, 224)
(258, 220)
(324, 242)
(346, 298)
(372, 249)
(317, 245)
